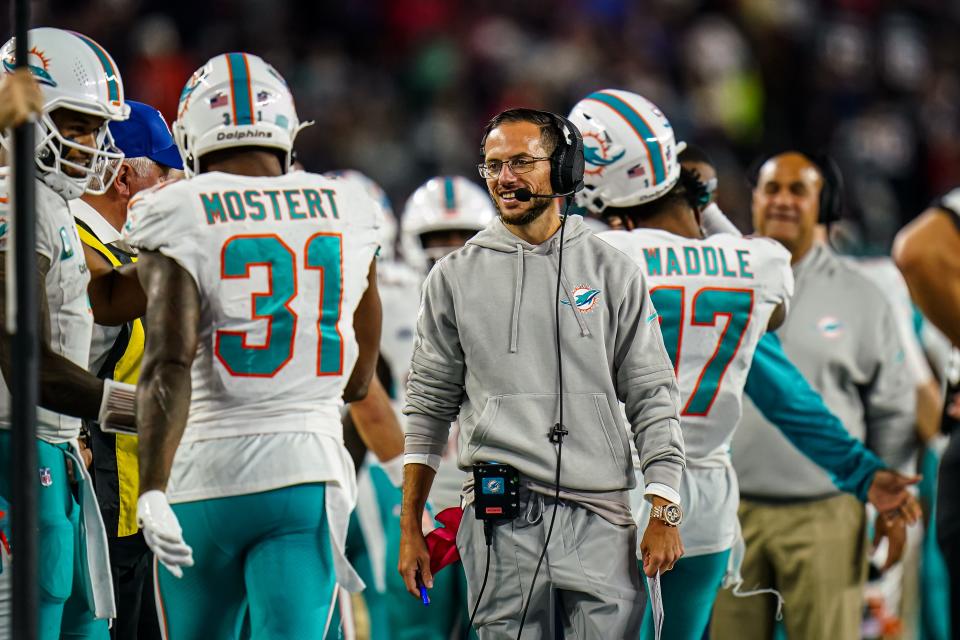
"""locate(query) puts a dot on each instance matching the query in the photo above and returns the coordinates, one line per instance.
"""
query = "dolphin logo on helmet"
(646, 166)
(598, 157)
(40, 71)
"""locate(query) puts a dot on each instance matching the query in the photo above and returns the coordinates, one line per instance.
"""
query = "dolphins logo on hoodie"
(585, 298)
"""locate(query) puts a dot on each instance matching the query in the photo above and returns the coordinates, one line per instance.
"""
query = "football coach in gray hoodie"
(487, 352)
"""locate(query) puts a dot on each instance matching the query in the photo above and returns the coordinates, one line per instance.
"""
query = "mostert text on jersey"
(269, 204)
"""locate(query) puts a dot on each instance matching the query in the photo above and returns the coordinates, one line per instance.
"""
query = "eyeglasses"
(491, 169)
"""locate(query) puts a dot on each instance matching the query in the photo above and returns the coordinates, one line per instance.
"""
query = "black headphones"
(566, 161)
(831, 193)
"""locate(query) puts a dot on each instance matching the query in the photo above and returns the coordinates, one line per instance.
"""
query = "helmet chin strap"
(293, 137)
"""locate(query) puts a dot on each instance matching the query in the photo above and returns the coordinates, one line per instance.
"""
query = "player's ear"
(122, 182)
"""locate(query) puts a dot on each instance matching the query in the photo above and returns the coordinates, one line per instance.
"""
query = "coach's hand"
(414, 558)
(889, 491)
(661, 547)
(162, 531)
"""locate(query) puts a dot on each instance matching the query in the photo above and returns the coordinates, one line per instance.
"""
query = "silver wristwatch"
(670, 514)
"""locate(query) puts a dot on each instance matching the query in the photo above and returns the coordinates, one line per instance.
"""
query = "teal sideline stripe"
(449, 196)
(627, 112)
(113, 86)
(240, 88)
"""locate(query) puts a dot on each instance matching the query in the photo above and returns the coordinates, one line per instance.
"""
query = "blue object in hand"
(424, 596)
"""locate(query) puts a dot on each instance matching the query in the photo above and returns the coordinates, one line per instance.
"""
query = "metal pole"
(24, 383)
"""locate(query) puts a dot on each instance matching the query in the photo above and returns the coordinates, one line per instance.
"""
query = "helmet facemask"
(71, 177)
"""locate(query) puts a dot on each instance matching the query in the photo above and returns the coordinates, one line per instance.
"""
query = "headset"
(566, 162)
(566, 178)
(831, 193)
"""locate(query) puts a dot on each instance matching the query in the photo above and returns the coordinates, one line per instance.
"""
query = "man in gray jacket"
(802, 535)
(487, 352)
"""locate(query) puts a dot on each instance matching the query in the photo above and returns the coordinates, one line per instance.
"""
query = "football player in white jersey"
(261, 286)
(638, 181)
(81, 91)
(715, 296)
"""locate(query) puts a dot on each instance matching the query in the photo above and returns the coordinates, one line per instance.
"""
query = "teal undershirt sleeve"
(785, 398)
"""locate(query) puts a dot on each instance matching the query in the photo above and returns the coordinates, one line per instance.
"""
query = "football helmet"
(235, 100)
(74, 73)
(386, 218)
(630, 150)
(441, 204)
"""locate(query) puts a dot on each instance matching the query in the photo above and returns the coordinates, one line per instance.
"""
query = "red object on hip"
(6, 543)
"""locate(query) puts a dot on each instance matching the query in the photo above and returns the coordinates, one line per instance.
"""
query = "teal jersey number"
(668, 301)
(323, 252)
(238, 255)
(708, 305)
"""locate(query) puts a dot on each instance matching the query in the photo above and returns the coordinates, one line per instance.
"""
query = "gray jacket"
(486, 351)
(841, 333)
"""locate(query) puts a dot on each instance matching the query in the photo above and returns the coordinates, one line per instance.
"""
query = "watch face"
(672, 514)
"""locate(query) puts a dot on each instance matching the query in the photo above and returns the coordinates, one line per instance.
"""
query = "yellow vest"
(126, 369)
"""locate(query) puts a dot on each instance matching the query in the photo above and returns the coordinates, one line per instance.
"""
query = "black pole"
(24, 382)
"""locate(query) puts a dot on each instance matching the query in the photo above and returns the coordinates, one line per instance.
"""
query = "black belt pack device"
(496, 491)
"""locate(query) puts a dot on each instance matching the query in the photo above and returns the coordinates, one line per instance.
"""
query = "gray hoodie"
(842, 335)
(486, 352)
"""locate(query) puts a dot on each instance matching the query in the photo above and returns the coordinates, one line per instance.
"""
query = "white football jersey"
(71, 320)
(281, 264)
(715, 297)
(399, 286)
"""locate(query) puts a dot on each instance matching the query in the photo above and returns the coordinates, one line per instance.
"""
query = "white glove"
(162, 531)
(117, 407)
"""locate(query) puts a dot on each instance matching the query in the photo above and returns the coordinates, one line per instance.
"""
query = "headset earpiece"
(831, 193)
(566, 161)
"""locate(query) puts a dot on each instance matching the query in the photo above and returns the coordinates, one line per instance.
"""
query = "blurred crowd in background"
(400, 89)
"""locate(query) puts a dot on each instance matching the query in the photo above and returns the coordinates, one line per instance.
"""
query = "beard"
(529, 216)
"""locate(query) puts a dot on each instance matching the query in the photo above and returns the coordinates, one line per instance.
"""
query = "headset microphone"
(525, 195)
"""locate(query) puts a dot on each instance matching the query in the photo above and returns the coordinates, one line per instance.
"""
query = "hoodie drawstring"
(584, 331)
(518, 294)
(515, 324)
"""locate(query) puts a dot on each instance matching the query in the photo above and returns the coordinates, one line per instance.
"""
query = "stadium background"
(401, 88)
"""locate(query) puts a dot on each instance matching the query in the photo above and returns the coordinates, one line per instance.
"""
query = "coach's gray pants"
(589, 579)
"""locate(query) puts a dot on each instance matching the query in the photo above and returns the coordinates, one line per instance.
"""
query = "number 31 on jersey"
(322, 253)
